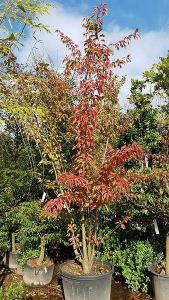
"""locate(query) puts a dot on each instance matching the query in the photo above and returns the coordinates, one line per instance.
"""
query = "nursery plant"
(98, 175)
(35, 232)
(85, 99)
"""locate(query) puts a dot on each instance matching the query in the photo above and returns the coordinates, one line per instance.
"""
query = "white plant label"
(156, 227)
(43, 197)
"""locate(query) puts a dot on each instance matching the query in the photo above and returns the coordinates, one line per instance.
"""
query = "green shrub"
(12, 292)
(132, 257)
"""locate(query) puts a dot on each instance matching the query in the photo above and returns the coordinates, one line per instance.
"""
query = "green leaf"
(21, 7)
(11, 37)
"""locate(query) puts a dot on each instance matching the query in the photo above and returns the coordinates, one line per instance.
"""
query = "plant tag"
(45, 270)
(156, 227)
(43, 197)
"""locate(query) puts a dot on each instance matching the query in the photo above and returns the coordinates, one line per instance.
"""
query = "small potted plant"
(12, 256)
(36, 231)
(38, 271)
(98, 176)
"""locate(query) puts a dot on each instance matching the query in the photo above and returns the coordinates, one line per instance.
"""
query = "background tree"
(15, 17)
(158, 76)
(18, 159)
(144, 121)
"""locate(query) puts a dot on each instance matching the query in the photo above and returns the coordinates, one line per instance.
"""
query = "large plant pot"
(11, 259)
(86, 287)
(37, 276)
(160, 284)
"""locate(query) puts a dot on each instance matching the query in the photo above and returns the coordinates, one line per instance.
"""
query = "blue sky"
(143, 14)
(151, 17)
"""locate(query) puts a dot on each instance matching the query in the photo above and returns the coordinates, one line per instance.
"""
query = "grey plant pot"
(37, 276)
(87, 287)
(19, 270)
(11, 259)
(160, 284)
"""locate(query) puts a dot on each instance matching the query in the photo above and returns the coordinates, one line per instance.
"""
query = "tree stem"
(42, 251)
(13, 243)
(85, 261)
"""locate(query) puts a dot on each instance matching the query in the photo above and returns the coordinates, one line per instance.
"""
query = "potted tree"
(36, 231)
(38, 271)
(98, 176)
(12, 253)
(12, 256)
(85, 99)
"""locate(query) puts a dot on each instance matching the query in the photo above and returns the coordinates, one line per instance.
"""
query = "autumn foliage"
(89, 185)
(95, 179)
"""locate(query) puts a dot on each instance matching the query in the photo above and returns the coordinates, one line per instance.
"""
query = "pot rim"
(85, 277)
(151, 270)
(15, 253)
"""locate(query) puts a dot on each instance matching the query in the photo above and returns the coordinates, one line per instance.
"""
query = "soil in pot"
(76, 269)
(95, 286)
(35, 275)
(160, 282)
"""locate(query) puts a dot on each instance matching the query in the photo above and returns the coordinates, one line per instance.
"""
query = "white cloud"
(144, 52)
(68, 22)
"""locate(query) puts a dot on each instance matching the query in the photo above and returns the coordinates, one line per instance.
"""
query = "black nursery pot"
(37, 276)
(86, 287)
(160, 284)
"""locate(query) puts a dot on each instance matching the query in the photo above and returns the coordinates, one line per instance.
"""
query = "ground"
(54, 291)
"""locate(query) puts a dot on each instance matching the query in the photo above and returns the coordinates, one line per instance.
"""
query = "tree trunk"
(85, 260)
(146, 161)
(42, 251)
(13, 243)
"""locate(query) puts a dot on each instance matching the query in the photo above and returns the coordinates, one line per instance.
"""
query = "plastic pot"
(86, 287)
(37, 276)
(11, 259)
(160, 284)
(19, 270)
